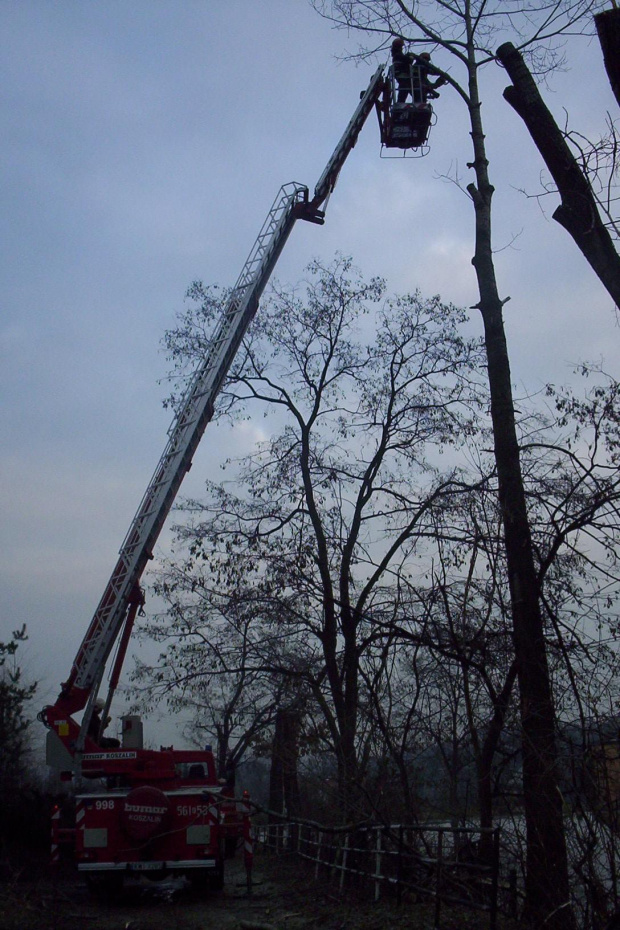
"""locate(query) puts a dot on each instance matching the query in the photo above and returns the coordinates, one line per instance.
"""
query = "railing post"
(494, 879)
(318, 854)
(438, 877)
(378, 875)
(248, 841)
(345, 853)
(513, 906)
(399, 866)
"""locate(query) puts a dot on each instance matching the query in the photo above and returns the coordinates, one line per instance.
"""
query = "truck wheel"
(106, 887)
(216, 878)
(205, 881)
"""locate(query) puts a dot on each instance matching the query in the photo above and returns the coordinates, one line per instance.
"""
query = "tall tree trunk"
(290, 758)
(223, 737)
(284, 793)
(350, 800)
(608, 28)
(547, 886)
(276, 781)
(486, 758)
(578, 212)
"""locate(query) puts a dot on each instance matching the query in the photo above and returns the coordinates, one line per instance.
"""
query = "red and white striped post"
(213, 815)
(55, 838)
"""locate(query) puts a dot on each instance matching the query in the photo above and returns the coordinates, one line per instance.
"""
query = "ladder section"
(327, 181)
(184, 436)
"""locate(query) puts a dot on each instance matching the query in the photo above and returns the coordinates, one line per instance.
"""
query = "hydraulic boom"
(121, 598)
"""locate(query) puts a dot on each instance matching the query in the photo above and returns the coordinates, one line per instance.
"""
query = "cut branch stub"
(608, 28)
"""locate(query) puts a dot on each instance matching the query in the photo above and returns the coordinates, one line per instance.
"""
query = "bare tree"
(332, 506)
(467, 31)
(456, 617)
(207, 667)
(578, 212)
(15, 722)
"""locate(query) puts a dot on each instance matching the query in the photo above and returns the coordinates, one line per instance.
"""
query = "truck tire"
(206, 881)
(216, 878)
(106, 886)
(146, 812)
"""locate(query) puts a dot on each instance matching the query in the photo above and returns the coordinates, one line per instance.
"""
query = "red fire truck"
(164, 811)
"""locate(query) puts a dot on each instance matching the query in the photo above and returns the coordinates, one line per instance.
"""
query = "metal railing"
(441, 864)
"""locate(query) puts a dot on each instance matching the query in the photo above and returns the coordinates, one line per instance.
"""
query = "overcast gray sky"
(142, 143)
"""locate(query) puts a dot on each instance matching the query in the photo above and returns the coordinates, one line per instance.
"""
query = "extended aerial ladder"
(122, 598)
(166, 810)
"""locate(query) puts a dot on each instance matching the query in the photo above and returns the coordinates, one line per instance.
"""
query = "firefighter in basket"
(411, 74)
(95, 728)
(407, 113)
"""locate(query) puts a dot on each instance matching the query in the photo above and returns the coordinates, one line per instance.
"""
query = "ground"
(285, 896)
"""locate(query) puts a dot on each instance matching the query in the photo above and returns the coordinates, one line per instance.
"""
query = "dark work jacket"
(402, 66)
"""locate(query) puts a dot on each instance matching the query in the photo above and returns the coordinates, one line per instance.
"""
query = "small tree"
(330, 508)
(468, 32)
(207, 667)
(14, 726)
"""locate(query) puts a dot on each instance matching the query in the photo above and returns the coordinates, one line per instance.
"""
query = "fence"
(439, 863)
